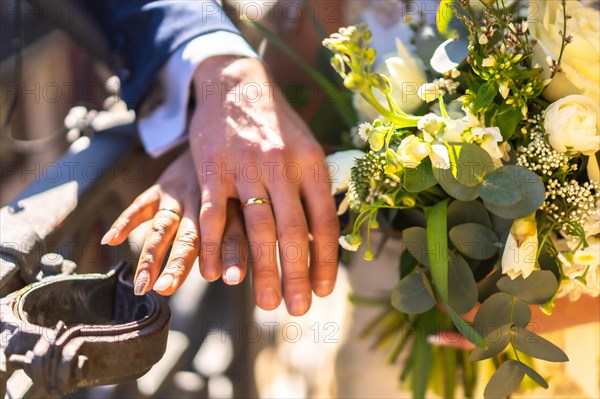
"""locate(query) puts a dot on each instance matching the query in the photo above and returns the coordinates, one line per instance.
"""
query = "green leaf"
(462, 287)
(475, 240)
(413, 294)
(437, 247)
(470, 163)
(533, 375)
(533, 345)
(452, 187)
(536, 289)
(495, 312)
(505, 380)
(421, 367)
(527, 183)
(449, 357)
(466, 329)
(507, 120)
(496, 340)
(485, 95)
(420, 178)
(460, 212)
(500, 190)
(407, 263)
(415, 241)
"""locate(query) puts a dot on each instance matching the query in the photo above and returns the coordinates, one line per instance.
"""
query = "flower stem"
(564, 38)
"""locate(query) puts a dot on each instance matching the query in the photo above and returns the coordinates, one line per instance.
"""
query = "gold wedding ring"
(253, 201)
(170, 210)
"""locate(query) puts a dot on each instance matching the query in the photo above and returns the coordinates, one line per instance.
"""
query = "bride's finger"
(235, 245)
(143, 208)
(157, 242)
(183, 253)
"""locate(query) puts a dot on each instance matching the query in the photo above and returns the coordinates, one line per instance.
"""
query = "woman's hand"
(173, 203)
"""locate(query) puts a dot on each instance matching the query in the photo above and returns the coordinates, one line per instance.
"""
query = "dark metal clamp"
(71, 331)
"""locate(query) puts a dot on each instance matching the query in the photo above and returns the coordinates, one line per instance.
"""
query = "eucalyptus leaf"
(460, 212)
(413, 294)
(501, 226)
(527, 183)
(462, 287)
(415, 241)
(497, 340)
(470, 163)
(420, 178)
(449, 55)
(533, 345)
(536, 289)
(505, 380)
(500, 190)
(533, 375)
(466, 329)
(452, 187)
(496, 310)
(475, 240)
(407, 263)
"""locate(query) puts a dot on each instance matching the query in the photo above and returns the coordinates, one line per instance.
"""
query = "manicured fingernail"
(232, 275)
(163, 283)
(434, 339)
(108, 237)
(269, 299)
(298, 304)
(141, 283)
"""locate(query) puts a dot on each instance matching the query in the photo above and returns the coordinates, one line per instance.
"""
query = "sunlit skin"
(228, 132)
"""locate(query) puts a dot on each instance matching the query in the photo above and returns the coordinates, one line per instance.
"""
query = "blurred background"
(220, 345)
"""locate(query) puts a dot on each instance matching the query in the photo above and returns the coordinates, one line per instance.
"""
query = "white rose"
(581, 59)
(571, 124)
(406, 75)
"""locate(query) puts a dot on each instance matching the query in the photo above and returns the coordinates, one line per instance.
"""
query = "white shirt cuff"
(164, 127)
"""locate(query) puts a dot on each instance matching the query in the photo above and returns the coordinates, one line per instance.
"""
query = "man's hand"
(247, 142)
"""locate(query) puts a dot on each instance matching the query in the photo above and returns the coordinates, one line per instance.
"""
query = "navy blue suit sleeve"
(144, 33)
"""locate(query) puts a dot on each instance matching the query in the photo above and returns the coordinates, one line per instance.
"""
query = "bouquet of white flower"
(503, 164)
